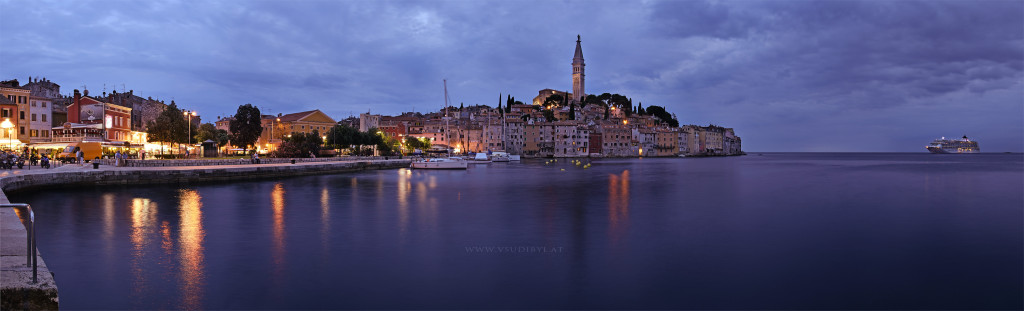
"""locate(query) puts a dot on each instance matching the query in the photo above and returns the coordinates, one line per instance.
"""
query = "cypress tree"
(572, 112)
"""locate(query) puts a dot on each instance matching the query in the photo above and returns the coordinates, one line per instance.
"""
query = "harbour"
(734, 232)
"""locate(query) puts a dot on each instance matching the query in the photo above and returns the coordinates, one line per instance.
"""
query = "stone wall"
(205, 162)
(187, 175)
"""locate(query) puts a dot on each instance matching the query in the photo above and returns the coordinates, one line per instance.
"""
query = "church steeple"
(577, 72)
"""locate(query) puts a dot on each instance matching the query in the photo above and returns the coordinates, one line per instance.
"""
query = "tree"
(660, 113)
(207, 131)
(246, 127)
(640, 108)
(606, 108)
(549, 115)
(341, 137)
(169, 126)
(300, 145)
(223, 137)
(413, 143)
(572, 112)
(553, 100)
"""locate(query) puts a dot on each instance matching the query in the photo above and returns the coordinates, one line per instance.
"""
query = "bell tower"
(577, 72)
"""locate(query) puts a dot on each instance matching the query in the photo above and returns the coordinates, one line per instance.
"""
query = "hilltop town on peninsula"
(554, 124)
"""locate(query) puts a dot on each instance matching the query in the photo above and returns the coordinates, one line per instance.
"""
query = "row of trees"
(173, 126)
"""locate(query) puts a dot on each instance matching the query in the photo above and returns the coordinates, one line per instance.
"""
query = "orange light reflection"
(191, 239)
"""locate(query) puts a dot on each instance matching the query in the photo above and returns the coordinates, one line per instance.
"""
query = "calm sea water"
(772, 231)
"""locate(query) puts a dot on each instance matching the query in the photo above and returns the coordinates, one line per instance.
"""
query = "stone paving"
(17, 291)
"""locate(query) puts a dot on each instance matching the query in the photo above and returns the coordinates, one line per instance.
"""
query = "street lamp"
(7, 125)
(189, 114)
(272, 126)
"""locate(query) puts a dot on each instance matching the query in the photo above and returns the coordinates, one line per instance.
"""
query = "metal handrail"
(31, 241)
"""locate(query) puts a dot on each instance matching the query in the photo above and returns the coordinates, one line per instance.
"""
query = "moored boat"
(499, 156)
(479, 158)
(450, 163)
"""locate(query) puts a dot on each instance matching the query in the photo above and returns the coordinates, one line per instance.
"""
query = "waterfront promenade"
(17, 291)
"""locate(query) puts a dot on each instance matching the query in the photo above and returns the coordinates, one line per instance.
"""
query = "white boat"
(450, 163)
(480, 158)
(513, 157)
(499, 156)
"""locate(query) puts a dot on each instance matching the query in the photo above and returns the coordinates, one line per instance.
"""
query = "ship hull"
(949, 150)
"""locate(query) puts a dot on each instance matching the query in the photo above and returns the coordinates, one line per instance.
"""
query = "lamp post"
(8, 126)
(189, 114)
(272, 126)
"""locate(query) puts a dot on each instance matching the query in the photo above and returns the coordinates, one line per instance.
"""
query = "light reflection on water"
(277, 204)
(618, 204)
(192, 250)
(400, 244)
(143, 227)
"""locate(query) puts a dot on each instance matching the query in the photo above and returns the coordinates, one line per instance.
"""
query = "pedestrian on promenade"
(117, 158)
(142, 154)
(80, 156)
(44, 162)
(311, 155)
(256, 158)
(186, 153)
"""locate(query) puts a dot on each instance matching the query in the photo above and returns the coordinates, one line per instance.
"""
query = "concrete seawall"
(16, 288)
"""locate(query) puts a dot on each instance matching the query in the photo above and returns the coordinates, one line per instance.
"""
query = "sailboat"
(451, 163)
(501, 156)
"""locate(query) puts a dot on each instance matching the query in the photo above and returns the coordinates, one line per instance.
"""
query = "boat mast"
(448, 138)
(501, 118)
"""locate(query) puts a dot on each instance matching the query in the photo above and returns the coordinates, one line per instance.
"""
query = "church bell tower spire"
(577, 72)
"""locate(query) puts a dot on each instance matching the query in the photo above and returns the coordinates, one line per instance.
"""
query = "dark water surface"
(778, 231)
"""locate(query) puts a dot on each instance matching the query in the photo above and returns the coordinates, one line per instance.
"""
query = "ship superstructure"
(963, 145)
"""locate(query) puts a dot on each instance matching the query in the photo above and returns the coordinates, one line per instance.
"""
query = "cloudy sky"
(787, 75)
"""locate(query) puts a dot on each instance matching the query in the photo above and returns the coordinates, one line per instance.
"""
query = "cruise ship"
(962, 145)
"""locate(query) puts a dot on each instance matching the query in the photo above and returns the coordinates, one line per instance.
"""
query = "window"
(44, 117)
(44, 104)
(22, 113)
(46, 133)
(33, 117)
(6, 113)
(34, 133)
(22, 131)
(33, 103)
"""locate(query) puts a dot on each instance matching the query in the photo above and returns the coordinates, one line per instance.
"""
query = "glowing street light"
(7, 125)
(189, 114)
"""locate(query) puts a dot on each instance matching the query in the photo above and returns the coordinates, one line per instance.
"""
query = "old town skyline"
(717, 63)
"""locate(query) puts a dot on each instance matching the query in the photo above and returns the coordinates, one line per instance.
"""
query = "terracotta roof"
(296, 116)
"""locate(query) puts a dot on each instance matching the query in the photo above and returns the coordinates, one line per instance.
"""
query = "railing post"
(30, 239)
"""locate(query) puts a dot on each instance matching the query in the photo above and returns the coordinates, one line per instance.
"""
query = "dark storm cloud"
(903, 49)
(808, 71)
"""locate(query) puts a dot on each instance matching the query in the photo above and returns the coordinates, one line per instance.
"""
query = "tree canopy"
(300, 145)
(246, 126)
(660, 112)
(170, 126)
(208, 131)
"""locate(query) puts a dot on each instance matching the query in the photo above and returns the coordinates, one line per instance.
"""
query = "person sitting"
(44, 162)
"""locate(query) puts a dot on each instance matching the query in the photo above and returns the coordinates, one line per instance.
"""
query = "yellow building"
(276, 129)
